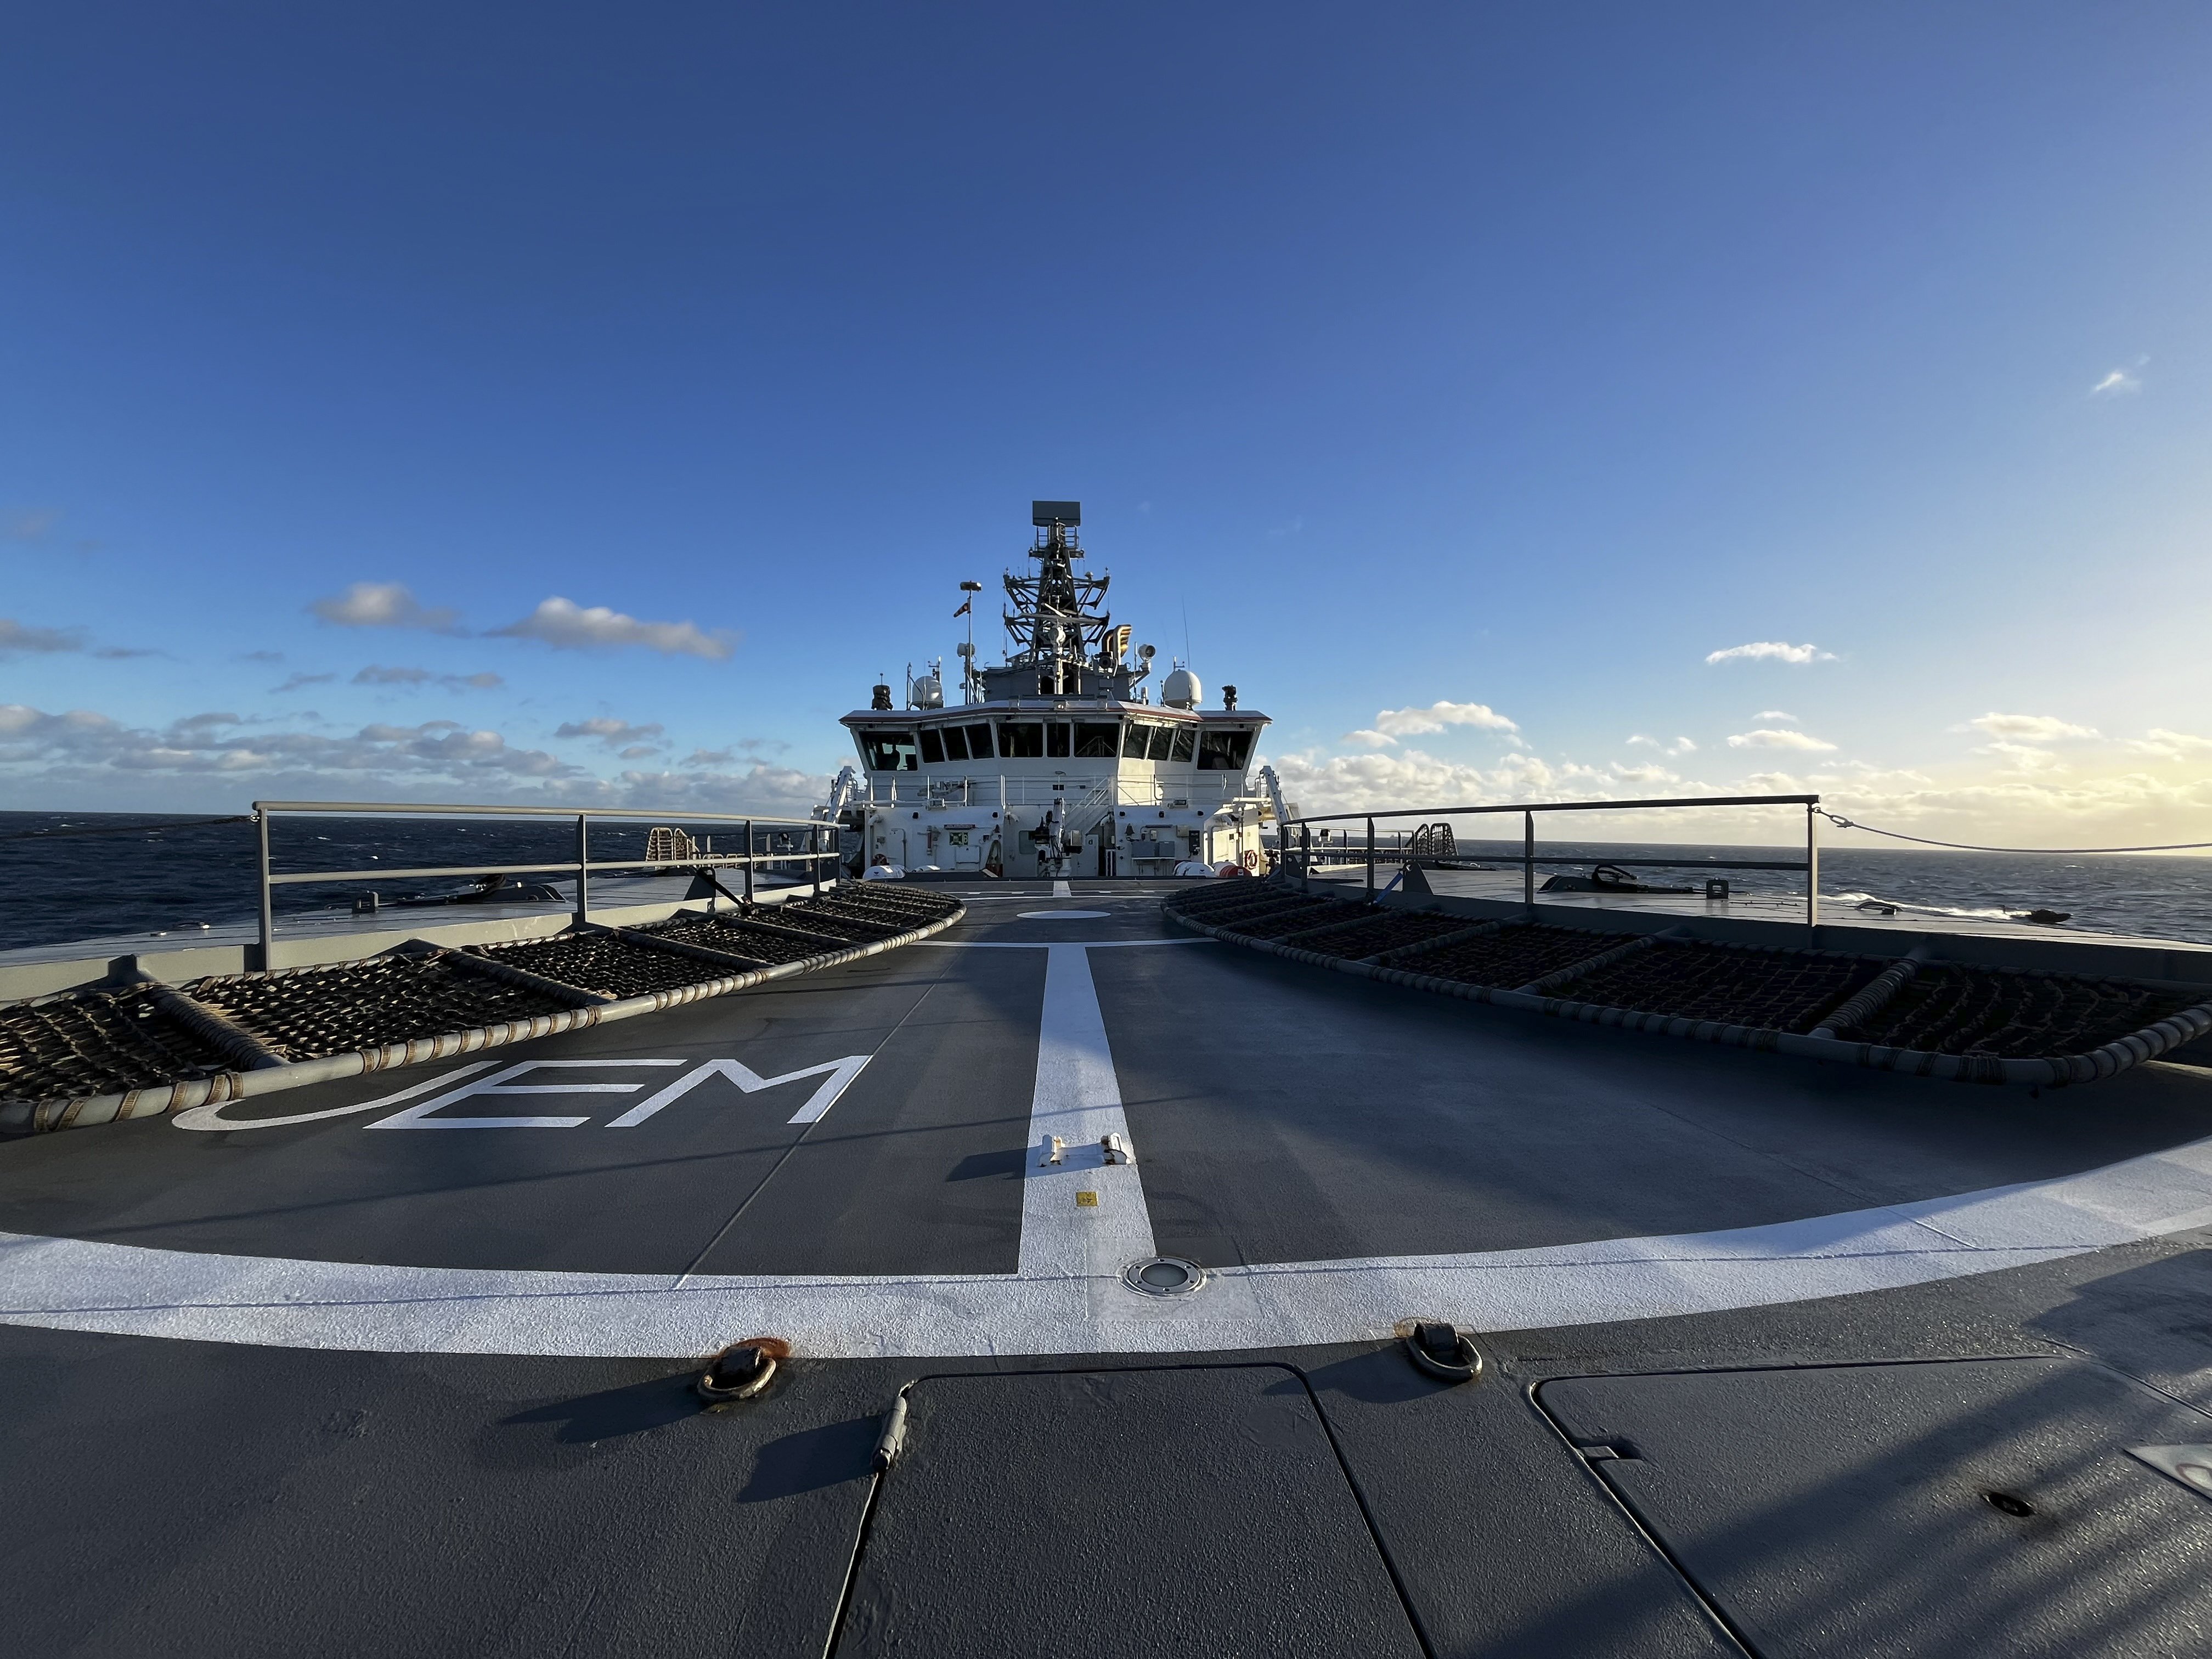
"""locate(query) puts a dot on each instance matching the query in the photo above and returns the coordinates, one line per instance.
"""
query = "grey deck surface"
(189, 1497)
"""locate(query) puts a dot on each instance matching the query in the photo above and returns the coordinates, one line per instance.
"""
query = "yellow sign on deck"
(1086, 1200)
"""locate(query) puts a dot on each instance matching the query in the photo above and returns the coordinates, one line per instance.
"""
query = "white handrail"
(814, 855)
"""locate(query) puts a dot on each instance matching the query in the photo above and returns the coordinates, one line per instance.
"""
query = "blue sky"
(561, 401)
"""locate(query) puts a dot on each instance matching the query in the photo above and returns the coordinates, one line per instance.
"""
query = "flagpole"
(967, 609)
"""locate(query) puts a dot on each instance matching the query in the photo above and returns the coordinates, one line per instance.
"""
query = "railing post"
(814, 858)
(1528, 864)
(268, 908)
(1305, 856)
(749, 860)
(1811, 868)
(583, 871)
(1370, 861)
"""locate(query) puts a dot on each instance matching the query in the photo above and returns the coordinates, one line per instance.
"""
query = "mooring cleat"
(742, 1370)
(1443, 1351)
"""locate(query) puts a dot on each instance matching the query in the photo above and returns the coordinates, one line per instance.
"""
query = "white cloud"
(567, 625)
(613, 733)
(1392, 724)
(1775, 783)
(2170, 746)
(383, 604)
(2026, 758)
(293, 683)
(1772, 651)
(1411, 777)
(1680, 746)
(2121, 382)
(1645, 777)
(1784, 715)
(2030, 728)
(1774, 737)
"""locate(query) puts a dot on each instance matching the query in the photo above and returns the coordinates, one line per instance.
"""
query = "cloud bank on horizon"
(432, 760)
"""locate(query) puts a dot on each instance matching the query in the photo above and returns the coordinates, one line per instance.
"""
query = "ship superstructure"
(1057, 760)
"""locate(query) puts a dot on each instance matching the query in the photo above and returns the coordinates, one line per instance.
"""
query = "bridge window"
(1096, 739)
(1146, 740)
(979, 740)
(1186, 742)
(1021, 739)
(1223, 752)
(955, 743)
(1055, 740)
(932, 746)
(889, 751)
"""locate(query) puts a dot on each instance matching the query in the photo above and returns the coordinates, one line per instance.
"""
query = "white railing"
(821, 849)
(1302, 857)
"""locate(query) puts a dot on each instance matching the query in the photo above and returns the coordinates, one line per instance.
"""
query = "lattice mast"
(1057, 619)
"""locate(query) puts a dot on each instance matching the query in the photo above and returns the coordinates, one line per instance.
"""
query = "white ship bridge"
(1057, 762)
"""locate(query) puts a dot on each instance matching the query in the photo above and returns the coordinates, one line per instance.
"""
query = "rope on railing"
(1843, 822)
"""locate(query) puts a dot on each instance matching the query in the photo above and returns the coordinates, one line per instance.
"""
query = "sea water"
(69, 876)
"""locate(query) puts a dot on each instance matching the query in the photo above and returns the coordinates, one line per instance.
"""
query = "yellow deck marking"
(1086, 1200)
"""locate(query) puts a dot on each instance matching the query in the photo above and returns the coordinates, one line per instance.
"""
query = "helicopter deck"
(403, 1362)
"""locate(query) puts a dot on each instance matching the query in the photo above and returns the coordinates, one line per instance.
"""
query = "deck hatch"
(1196, 1509)
(1986, 1506)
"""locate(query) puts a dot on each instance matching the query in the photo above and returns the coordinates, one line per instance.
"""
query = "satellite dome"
(928, 692)
(1181, 689)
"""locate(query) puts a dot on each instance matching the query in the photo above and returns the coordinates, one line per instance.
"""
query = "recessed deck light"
(1164, 1275)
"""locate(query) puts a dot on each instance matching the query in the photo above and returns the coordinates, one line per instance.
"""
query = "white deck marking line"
(69, 1284)
(1046, 945)
(1061, 889)
(418, 1116)
(1077, 1098)
(211, 1117)
(841, 1073)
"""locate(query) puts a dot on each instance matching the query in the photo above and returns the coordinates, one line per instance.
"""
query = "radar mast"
(1065, 644)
